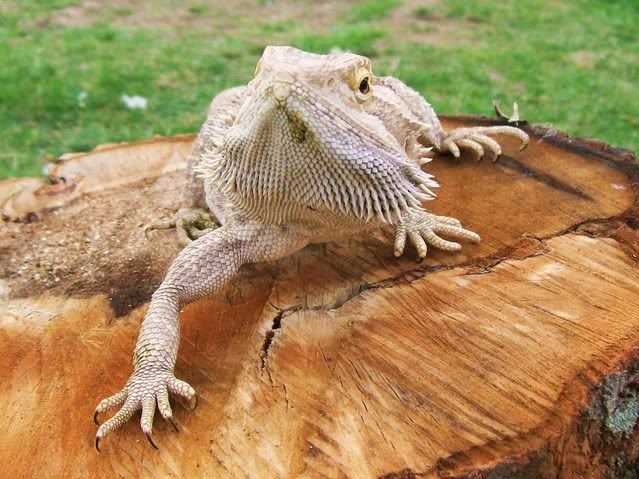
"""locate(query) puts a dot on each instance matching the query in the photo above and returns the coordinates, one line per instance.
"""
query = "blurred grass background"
(66, 63)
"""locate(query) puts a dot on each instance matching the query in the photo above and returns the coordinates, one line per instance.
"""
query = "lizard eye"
(364, 86)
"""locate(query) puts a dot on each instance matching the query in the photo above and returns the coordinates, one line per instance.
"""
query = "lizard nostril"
(281, 90)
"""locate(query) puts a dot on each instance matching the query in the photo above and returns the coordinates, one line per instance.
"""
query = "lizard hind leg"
(189, 223)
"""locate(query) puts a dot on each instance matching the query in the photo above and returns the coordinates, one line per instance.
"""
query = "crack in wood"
(476, 266)
(546, 179)
(484, 264)
(276, 324)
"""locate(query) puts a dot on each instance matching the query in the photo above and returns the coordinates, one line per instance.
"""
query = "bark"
(517, 357)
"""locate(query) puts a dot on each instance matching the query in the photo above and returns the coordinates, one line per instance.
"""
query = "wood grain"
(517, 357)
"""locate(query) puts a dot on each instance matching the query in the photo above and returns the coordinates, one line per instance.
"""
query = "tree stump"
(517, 357)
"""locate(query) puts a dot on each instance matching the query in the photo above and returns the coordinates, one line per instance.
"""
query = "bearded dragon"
(315, 148)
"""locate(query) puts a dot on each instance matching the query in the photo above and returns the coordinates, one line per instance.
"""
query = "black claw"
(97, 443)
(95, 418)
(523, 147)
(148, 436)
(174, 424)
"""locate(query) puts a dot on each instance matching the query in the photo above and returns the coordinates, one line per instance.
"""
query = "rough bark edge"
(65, 157)
(58, 188)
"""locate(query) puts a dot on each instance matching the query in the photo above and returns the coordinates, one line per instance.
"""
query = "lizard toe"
(123, 415)
(184, 390)
(109, 403)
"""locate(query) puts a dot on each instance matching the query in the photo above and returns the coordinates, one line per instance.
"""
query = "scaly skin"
(315, 148)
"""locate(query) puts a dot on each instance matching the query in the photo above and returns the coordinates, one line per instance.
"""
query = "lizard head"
(309, 91)
(305, 86)
(307, 136)
(338, 76)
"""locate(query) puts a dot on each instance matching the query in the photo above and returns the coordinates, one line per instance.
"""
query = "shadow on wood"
(516, 356)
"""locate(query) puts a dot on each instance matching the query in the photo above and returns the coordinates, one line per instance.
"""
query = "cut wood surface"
(516, 357)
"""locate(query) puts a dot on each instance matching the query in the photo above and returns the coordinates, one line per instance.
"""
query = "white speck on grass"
(134, 102)
(82, 99)
(618, 186)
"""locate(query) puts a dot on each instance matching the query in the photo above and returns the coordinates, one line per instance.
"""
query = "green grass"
(370, 10)
(424, 12)
(198, 9)
(358, 38)
(573, 64)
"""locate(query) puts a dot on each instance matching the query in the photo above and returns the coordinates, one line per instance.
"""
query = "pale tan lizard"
(315, 148)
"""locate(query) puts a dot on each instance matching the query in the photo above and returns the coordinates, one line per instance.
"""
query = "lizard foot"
(189, 224)
(477, 140)
(146, 389)
(422, 228)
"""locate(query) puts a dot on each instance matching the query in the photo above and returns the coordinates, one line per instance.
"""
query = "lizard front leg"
(432, 133)
(190, 223)
(478, 140)
(424, 228)
(202, 268)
